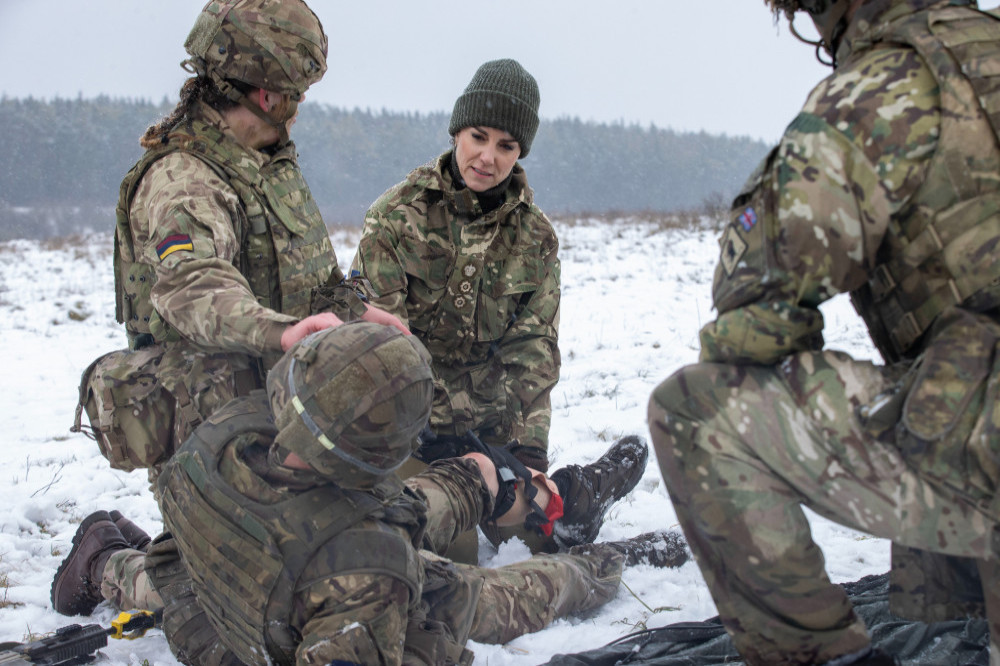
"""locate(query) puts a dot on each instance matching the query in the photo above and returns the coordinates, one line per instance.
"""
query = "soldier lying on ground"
(109, 564)
(290, 539)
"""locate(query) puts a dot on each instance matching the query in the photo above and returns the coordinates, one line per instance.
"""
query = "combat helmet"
(276, 45)
(830, 17)
(350, 401)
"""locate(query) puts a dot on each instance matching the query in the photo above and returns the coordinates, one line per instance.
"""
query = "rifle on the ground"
(76, 644)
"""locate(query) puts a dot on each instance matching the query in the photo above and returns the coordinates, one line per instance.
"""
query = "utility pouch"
(131, 415)
(429, 643)
(948, 419)
(439, 627)
(341, 299)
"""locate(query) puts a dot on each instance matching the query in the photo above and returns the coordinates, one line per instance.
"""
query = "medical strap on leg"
(510, 471)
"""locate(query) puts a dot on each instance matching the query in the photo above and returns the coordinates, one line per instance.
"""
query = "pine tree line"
(65, 159)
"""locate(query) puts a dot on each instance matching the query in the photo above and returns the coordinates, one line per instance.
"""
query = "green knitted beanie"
(502, 95)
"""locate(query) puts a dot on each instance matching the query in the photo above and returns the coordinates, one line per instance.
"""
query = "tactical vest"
(245, 557)
(285, 246)
(941, 249)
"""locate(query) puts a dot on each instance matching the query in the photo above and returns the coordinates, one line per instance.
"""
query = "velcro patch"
(733, 249)
(176, 243)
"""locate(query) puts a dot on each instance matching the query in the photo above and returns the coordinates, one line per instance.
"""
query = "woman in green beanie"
(462, 255)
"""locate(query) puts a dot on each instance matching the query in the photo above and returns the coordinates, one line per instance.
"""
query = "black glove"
(530, 456)
(433, 446)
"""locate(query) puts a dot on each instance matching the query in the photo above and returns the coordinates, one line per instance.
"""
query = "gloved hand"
(435, 447)
(530, 456)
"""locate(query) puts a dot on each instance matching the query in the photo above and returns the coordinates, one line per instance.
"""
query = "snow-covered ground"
(634, 297)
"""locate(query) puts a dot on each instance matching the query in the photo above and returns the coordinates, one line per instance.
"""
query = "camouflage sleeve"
(808, 223)
(192, 243)
(377, 269)
(355, 619)
(529, 351)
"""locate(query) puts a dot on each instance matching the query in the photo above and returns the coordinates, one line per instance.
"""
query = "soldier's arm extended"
(377, 269)
(192, 244)
(357, 619)
(809, 222)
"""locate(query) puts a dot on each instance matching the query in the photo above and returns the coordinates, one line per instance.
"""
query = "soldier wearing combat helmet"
(222, 260)
(885, 187)
(290, 540)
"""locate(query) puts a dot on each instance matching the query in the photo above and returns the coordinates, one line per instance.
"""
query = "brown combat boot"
(76, 588)
(135, 535)
(589, 491)
(657, 549)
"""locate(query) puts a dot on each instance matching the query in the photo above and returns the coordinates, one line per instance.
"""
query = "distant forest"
(65, 159)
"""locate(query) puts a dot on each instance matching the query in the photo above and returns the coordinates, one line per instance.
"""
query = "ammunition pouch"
(340, 298)
(439, 628)
(132, 416)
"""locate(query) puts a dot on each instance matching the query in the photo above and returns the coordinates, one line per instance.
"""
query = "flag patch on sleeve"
(748, 219)
(173, 244)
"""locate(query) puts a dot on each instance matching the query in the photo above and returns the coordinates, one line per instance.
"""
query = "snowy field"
(634, 298)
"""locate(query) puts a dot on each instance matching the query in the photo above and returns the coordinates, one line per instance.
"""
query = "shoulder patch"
(176, 243)
(748, 219)
(733, 249)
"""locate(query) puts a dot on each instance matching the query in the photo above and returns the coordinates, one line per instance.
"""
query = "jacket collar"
(464, 200)
(873, 18)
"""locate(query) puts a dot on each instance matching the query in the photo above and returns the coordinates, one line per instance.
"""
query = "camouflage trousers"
(520, 598)
(125, 583)
(743, 448)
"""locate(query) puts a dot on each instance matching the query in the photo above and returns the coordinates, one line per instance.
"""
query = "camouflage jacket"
(480, 291)
(218, 248)
(231, 235)
(885, 186)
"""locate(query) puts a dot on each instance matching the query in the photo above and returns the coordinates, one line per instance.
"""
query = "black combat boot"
(657, 549)
(135, 535)
(76, 588)
(588, 492)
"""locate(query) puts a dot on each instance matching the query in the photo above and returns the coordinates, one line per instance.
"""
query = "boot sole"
(568, 536)
(640, 444)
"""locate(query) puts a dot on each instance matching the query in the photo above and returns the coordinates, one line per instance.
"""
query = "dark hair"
(195, 89)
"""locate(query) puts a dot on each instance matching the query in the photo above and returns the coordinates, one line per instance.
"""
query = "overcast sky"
(721, 66)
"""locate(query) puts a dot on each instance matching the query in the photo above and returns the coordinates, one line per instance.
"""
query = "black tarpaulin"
(956, 643)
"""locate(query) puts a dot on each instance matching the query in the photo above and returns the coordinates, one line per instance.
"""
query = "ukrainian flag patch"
(173, 244)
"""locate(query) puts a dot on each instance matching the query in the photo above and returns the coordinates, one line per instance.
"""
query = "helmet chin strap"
(232, 93)
(830, 17)
(817, 43)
